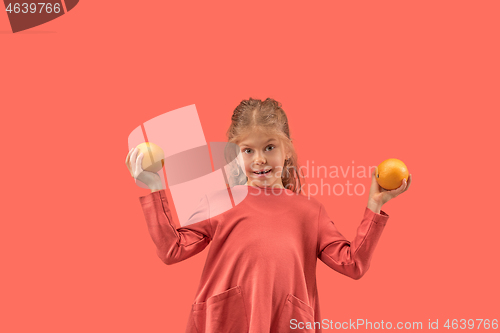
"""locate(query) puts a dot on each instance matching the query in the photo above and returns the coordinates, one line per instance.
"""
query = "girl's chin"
(260, 182)
(263, 184)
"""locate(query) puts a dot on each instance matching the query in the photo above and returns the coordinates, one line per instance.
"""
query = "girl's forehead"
(258, 139)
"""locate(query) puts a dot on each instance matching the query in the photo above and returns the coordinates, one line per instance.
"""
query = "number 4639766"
(32, 7)
(471, 323)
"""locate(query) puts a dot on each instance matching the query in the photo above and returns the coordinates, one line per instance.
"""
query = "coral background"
(360, 81)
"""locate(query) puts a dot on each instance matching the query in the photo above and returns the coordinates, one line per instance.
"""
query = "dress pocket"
(296, 316)
(221, 313)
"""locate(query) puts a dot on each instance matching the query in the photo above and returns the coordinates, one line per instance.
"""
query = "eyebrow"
(272, 139)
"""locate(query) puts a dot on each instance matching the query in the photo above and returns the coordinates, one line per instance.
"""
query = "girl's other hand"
(134, 165)
(379, 196)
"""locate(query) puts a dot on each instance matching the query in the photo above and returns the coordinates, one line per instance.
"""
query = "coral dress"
(260, 272)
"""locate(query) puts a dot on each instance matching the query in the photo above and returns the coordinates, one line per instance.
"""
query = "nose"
(259, 159)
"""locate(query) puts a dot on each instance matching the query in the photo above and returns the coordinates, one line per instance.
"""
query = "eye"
(246, 149)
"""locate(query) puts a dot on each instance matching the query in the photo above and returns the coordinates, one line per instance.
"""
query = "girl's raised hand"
(134, 165)
(379, 196)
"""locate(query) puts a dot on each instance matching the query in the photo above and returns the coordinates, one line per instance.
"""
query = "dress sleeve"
(351, 259)
(175, 243)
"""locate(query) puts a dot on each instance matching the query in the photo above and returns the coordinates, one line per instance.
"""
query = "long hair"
(268, 115)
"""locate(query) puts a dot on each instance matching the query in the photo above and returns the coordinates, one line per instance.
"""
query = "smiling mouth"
(262, 172)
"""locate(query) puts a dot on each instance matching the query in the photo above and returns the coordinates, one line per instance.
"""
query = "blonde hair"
(268, 115)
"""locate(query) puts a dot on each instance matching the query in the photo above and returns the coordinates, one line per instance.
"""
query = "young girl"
(260, 273)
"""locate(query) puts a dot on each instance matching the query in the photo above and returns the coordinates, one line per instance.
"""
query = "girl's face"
(260, 152)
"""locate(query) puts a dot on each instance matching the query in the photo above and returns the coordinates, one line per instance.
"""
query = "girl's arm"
(351, 259)
(175, 243)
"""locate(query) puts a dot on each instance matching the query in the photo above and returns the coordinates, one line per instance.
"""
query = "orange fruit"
(153, 156)
(390, 173)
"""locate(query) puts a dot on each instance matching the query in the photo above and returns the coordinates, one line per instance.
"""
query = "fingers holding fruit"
(128, 162)
(403, 188)
(375, 187)
(389, 179)
(137, 156)
(409, 183)
(390, 173)
(134, 162)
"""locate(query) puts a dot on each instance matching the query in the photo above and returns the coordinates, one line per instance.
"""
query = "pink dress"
(260, 272)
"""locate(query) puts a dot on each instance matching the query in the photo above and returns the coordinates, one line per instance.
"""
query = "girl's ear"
(288, 153)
